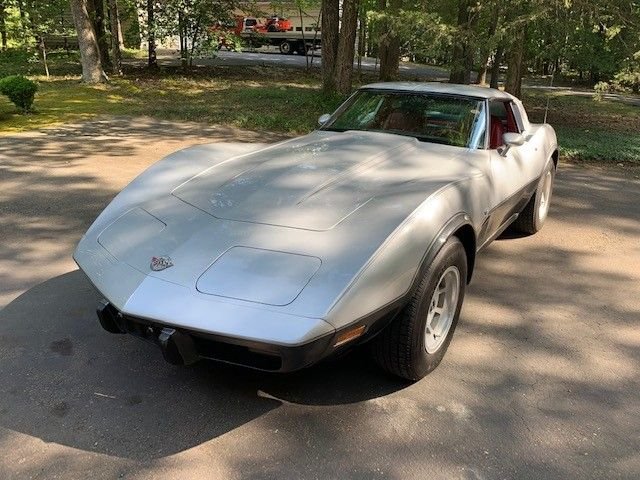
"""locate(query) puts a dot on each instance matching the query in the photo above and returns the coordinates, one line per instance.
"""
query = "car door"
(514, 170)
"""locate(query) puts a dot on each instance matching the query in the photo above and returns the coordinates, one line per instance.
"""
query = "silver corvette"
(367, 229)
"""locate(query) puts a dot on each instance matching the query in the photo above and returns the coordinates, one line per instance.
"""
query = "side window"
(497, 124)
(517, 119)
(512, 125)
(503, 121)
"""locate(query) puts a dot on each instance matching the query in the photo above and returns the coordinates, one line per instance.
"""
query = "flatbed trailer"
(287, 42)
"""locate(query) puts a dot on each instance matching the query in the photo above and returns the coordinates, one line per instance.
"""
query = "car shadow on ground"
(65, 380)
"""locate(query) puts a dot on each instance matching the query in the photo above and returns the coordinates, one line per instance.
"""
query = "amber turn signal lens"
(349, 335)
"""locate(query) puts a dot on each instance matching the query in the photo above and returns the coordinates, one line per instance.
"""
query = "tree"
(515, 64)
(462, 58)
(96, 11)
(191, 20)
(116, 37)
(37, 20)
(92, 71)
(389, 46)
(488, 44)
(3, 24)
(152, 58)
(346, 46)
(329, 37)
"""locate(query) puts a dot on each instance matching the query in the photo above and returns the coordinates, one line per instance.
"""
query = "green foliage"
(600, 89)
(422, 34)
(20, 90)
(629, 77)
(26, 61)
(604, 133)
(193, 21)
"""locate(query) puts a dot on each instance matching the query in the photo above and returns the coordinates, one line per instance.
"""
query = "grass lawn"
(603, 132)
(266, 104)
(281, 100)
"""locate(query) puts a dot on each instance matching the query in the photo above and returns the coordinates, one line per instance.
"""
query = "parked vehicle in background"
(272, 24)
(276, 31)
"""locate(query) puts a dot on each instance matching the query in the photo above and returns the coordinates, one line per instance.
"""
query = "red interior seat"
(511, 121)
(496, 132)
(399, 120)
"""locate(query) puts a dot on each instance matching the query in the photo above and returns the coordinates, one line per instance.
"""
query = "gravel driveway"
(542, 379)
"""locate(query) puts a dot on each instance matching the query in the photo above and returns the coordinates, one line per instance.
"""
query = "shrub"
(20, 90)
(628, 80)
(600, 89)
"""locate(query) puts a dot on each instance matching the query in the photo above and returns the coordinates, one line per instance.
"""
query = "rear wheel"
(532, 218)
(415, 342)
(285, 48)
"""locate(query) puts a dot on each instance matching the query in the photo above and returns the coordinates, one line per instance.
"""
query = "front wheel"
(415, 342)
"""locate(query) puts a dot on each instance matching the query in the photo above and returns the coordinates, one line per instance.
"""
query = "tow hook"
(177, 348)
(108, 316)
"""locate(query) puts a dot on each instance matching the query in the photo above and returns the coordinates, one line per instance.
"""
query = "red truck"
(276, 31)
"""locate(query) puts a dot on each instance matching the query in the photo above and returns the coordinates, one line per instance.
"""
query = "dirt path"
(541, 379)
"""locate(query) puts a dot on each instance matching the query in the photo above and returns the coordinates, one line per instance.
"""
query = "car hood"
(314, 182)
(288, 226)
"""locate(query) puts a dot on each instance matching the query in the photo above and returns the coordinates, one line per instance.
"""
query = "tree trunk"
(23, 19)
(495, 68)
(482, 73)
(362, 38)
(92, 71)
(304, 40)
(515, 70)
(329, 40)
(183, 42)
(151, 35)
(98, 28)
(346, 46)
(120, 35)
(43, 52)
(3, 25)
(389, 53)
(486, 52)
(462, 58)
(194, 40)
(389, 47)
(116, 35)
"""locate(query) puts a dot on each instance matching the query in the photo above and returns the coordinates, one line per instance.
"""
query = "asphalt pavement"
(541, 379)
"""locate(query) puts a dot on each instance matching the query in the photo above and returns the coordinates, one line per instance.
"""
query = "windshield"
(458, 121)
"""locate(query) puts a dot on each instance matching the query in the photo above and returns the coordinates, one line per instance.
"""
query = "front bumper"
(183, 346)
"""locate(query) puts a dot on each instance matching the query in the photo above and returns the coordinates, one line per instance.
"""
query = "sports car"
(365, 230)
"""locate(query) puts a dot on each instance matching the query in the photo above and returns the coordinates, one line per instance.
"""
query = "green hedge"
(20, 90)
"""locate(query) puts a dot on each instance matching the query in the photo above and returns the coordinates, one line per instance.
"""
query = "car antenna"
(546, 110)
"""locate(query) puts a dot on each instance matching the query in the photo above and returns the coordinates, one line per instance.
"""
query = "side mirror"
(324, 119)
(513, 139)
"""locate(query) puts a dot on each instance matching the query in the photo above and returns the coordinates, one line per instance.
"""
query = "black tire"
(400, 348)
(531, 220)
(285, 48)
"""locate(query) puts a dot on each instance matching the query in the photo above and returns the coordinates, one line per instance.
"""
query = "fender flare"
(460, 220)
(377, 320)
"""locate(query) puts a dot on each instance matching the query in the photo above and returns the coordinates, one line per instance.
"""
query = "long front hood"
(329, 201)
(312, 183)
